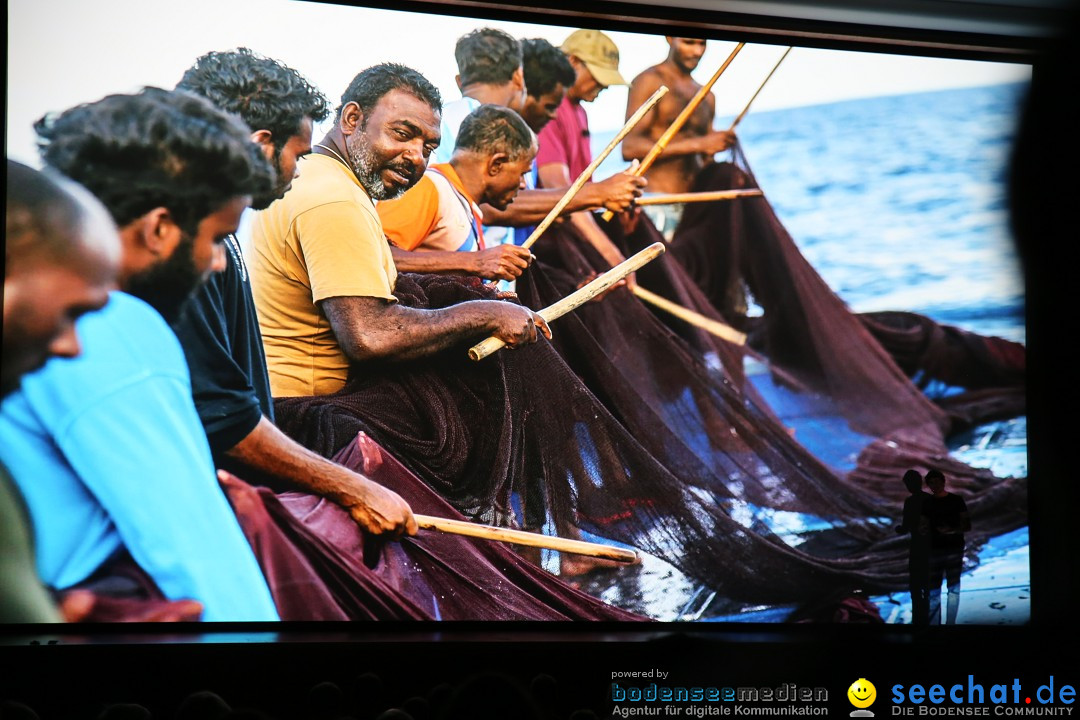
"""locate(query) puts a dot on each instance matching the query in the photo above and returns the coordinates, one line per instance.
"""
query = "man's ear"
(457, 79)
(518, 78)
(158, 232)
(352, 117)
(265, 140)
(496, 163)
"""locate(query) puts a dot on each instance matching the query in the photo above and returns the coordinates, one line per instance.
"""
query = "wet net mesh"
(641, 429)
(320, 565)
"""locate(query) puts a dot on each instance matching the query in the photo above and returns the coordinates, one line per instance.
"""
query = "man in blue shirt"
(61, 252)
(108, 448)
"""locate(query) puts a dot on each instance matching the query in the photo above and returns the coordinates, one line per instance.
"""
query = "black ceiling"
(985, 29)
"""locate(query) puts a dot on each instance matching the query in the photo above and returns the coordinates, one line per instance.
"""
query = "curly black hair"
(368, 87)
(545, 67)
(267, 94)
(493, 128)
(487, 55)
(156, 148)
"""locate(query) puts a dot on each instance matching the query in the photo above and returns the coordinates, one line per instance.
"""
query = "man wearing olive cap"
(564, 150)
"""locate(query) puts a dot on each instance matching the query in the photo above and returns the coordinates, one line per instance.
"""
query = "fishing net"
(641, 429)
(737, 251)
(320, 565)
(521, 425)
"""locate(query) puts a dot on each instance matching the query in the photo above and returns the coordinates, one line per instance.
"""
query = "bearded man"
(324, 273)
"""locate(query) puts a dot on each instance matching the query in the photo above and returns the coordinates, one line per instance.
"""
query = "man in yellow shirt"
(323, 272)
(441, 220)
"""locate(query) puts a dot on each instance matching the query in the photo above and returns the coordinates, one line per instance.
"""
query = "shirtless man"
(695, 143)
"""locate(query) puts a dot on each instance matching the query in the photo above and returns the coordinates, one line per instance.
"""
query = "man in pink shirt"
(564, 150)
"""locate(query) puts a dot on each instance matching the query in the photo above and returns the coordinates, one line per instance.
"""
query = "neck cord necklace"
(335, 154)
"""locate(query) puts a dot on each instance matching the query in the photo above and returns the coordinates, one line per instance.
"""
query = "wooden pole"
(754, 97)
(521, 537)
(679, 121)
(588, 171)
(580, 296)
(692, 197)
(719, 329)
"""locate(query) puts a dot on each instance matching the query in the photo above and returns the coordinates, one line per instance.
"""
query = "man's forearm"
(368, 330)
(638, 148)
(274, 454)
(434, 261)
(532, 206)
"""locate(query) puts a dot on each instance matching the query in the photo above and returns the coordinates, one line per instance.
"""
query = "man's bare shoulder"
(651, 76)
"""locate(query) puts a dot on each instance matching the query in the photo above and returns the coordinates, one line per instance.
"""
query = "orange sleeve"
(410, 218)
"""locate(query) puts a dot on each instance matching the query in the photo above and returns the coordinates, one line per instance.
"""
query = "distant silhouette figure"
(949, 520)
(367, 696)
(125, 711)
(395, 714)
(325, 701)
(12, 710)
(917, 526)
(418, 707)
(249, 714)
(490, 696)
(202, 705)
(583, 714)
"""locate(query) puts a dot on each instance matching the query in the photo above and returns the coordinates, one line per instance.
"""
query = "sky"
(65, 52)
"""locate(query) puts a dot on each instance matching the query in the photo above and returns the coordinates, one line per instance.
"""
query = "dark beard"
(364, 166)
(168, 285)
(261, 202)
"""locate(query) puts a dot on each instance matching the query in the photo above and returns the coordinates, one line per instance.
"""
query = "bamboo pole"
(719, 329)
(679, 121)
(692, 197)
(588, 171)
(580, 296)
(521, 537)
(746, 109)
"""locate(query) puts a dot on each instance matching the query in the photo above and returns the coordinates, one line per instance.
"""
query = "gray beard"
(363, 161)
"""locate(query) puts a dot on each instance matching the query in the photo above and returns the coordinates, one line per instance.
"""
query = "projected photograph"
(504, 322)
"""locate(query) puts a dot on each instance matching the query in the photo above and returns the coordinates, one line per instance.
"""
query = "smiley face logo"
(862, 693)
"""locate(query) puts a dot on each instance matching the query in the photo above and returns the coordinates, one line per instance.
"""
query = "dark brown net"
(643, 430)
(522, 424)
(321, 566)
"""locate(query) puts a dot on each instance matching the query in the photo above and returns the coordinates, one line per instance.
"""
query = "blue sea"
(900, 203)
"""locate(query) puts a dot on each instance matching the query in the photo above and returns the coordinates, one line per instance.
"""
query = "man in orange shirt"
(438, 224)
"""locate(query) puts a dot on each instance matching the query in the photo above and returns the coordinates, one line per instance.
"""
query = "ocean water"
(900, 203)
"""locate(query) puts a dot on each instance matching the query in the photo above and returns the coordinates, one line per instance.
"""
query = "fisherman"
(548, 77)
(695, 143)
(441, 215)
(949, 520)
(219, 329)
(323, 268)
(61, 253)
(564, 151)
(916, 525)
(490, 66)
(108, 448)
(489, 72)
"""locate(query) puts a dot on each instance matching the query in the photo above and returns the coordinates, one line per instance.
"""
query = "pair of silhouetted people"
(936, 522)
